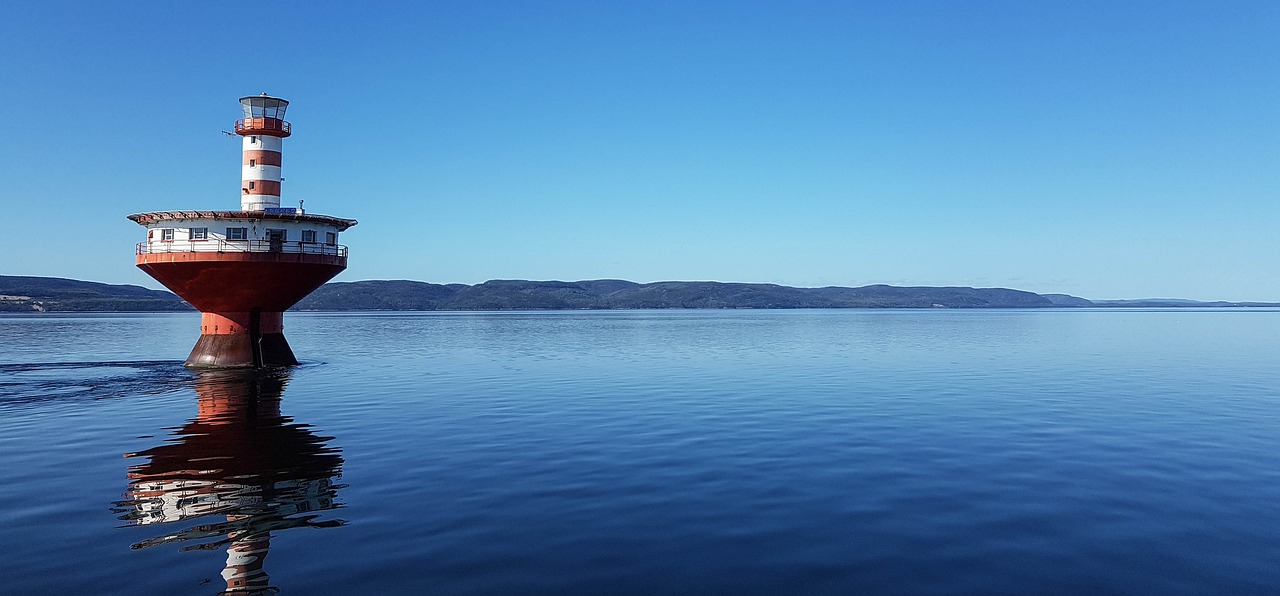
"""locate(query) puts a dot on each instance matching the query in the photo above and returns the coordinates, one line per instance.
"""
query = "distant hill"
(26, 294)
(618, 294)
(1176, 303)
(1067, 300)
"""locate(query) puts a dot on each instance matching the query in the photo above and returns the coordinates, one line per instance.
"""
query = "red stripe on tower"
(261, 158)
(271, 188)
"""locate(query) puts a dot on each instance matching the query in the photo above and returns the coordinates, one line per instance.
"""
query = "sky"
(1097, 148)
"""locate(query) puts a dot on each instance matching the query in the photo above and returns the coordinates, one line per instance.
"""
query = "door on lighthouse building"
(275, 240)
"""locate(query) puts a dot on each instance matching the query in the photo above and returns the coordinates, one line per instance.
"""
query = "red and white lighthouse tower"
(242, 269)
(263, 129)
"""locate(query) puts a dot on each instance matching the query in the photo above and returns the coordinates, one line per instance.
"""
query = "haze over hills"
(27, 294)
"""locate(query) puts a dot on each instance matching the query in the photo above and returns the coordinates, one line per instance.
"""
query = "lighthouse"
(243, 268)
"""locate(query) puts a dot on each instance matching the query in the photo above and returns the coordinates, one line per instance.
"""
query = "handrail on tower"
(263, 114)
(250, 125)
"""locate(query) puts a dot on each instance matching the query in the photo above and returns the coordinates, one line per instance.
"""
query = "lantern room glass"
(263, 106)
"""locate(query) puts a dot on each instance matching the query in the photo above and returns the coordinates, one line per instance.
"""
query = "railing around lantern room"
(258, 246)
(263, 124)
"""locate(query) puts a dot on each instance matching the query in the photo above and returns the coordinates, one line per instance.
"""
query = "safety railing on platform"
(263, 124)
(268, 246)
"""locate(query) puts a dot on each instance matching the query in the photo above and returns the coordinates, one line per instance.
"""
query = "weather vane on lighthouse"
(242, 269)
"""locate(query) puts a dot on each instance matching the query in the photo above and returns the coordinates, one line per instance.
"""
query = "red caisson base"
(241, 351)
(241, 339)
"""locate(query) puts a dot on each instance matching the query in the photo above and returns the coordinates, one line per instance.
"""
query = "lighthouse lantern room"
(242, 269)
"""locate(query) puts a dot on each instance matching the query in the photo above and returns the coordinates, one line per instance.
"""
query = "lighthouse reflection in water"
(241, 470)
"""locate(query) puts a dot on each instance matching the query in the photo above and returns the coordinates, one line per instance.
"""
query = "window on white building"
(330, 238)
(253, 162)
(250, 185)
(237, 233)
(308, 235)
(199, 233)
(166, 234)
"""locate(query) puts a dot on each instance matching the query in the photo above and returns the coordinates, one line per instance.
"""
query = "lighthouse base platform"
(242, 297)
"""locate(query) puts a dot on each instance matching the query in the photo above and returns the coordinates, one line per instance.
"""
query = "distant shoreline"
(50, 294)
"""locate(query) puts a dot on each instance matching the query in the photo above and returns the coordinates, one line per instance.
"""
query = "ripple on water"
(29, 384)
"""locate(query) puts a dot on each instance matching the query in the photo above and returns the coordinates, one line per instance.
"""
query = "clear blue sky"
(1105, 149)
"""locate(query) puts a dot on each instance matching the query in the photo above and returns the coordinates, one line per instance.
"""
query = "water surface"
(649, 452)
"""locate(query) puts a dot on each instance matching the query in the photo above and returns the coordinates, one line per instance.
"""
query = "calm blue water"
(650, 452)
